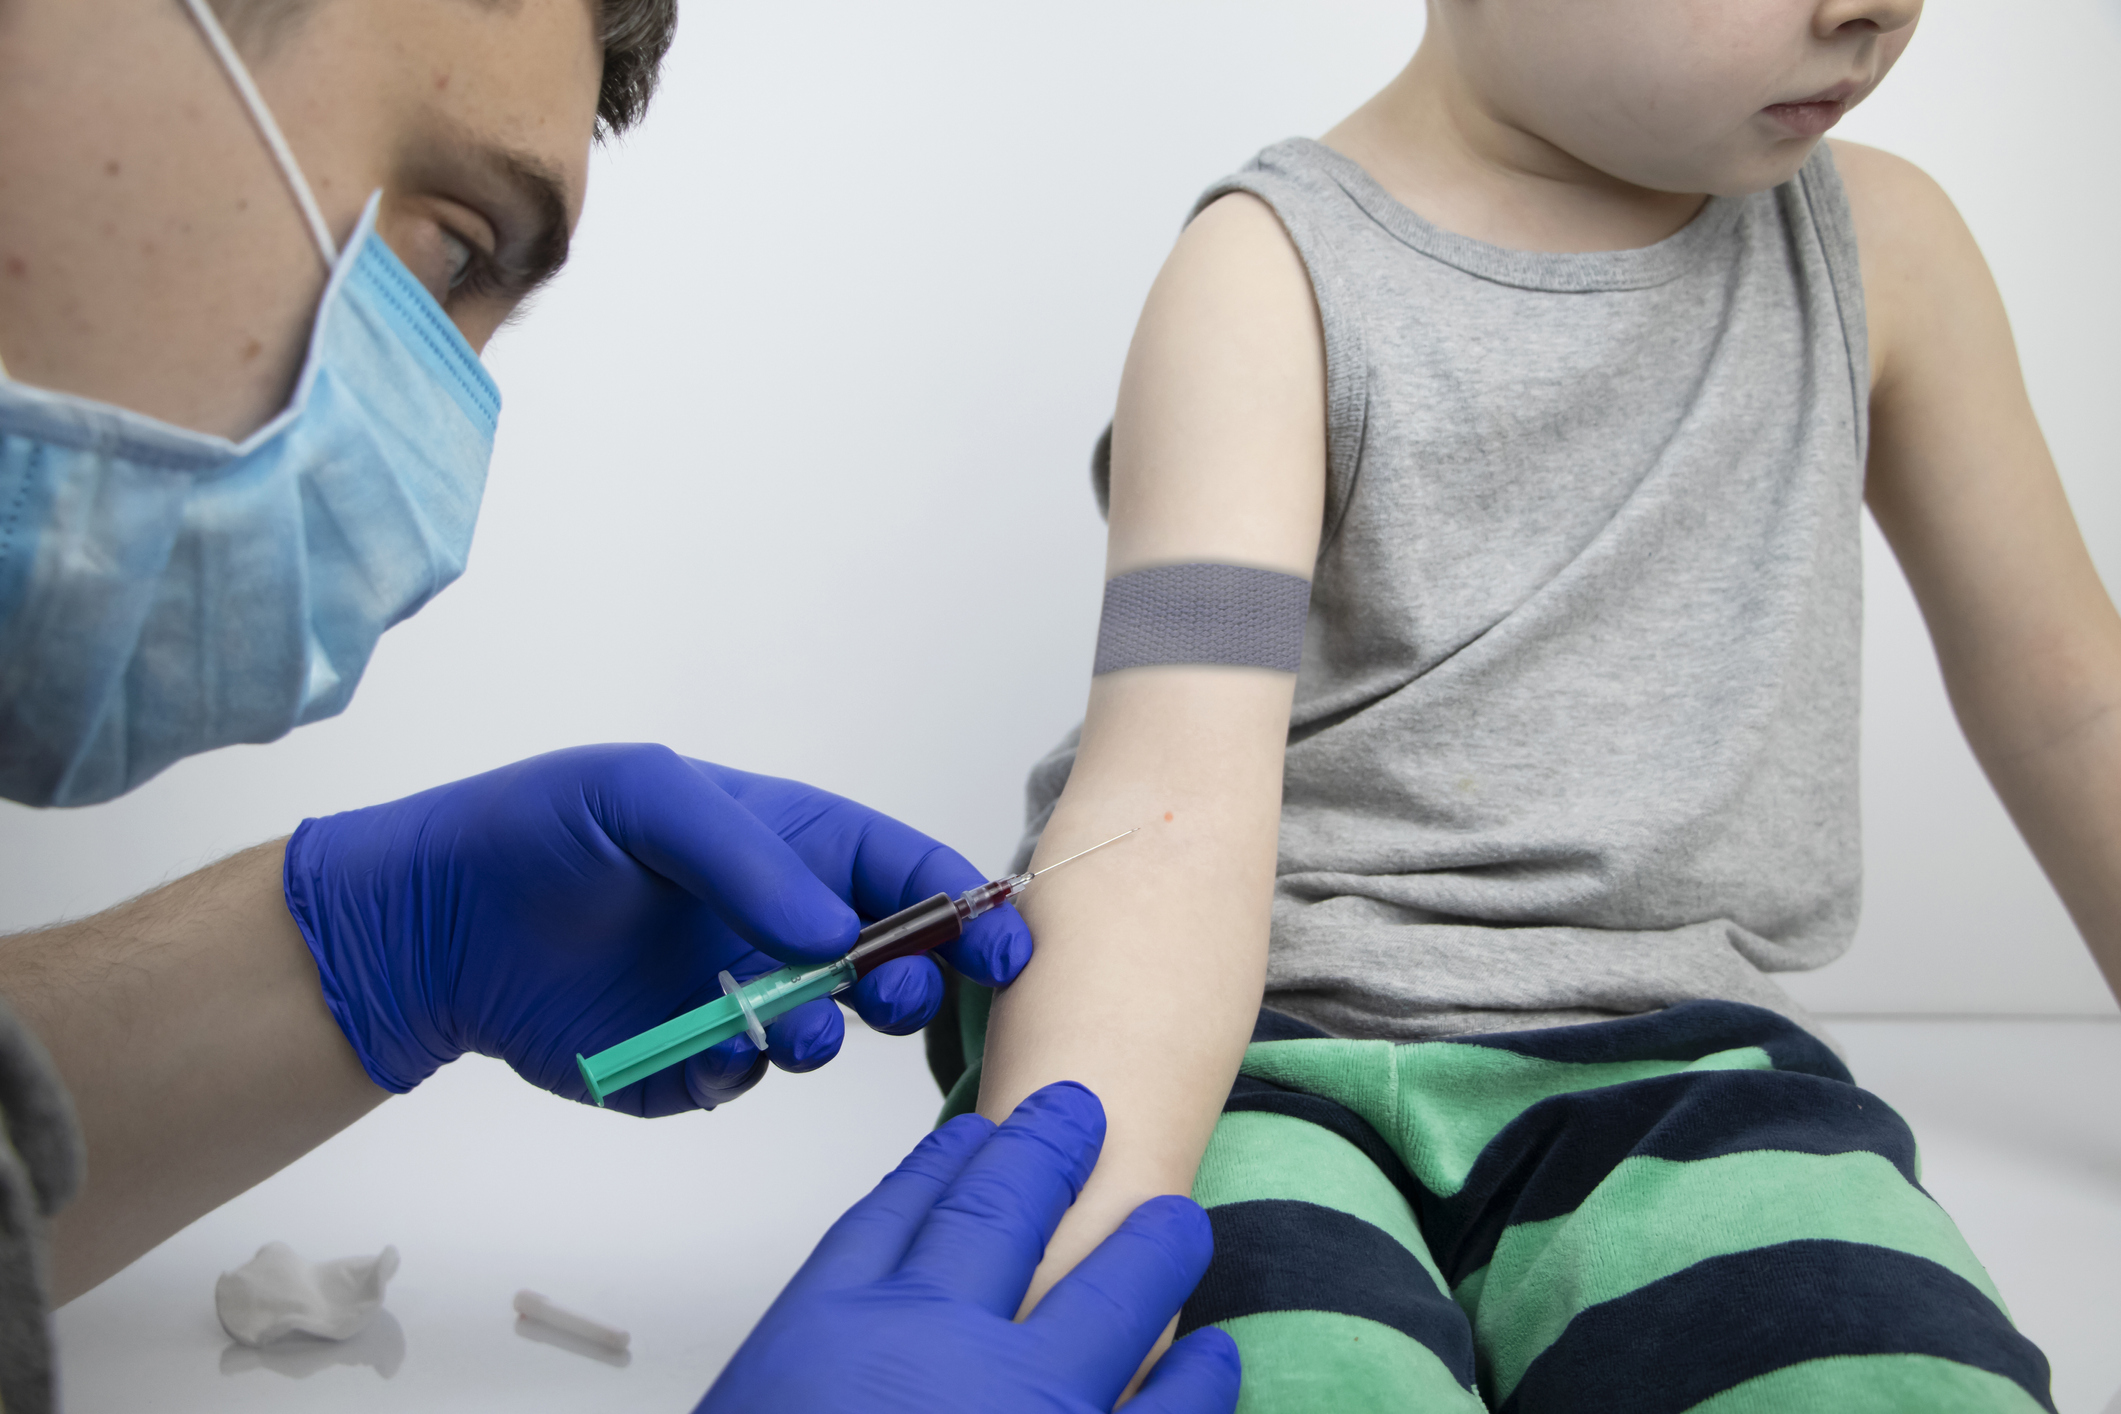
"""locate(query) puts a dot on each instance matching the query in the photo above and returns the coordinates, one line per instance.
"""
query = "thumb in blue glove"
(564, 903)
(906, 1304)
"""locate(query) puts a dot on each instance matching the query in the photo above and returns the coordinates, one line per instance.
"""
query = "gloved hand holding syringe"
(748, 1006)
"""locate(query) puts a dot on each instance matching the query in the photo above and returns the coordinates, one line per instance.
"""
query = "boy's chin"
(1753, 166)
(1770, 168)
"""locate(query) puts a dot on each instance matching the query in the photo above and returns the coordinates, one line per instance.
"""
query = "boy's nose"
(1874, 16)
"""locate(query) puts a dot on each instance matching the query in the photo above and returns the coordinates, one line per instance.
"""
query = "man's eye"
(457, 253)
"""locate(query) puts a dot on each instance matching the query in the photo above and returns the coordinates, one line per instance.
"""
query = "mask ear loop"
(283, 155)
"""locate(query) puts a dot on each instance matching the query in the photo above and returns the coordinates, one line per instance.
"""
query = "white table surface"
(682, 1230)
(679, 1231)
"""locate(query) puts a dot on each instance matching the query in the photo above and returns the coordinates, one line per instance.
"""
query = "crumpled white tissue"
(276, 1294)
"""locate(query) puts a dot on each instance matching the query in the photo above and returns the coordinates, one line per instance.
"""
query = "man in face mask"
(248, 255)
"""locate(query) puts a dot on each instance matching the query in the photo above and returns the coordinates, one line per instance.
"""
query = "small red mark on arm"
(441, 82)
(17, 266)
(111, 168)
(1167, 817)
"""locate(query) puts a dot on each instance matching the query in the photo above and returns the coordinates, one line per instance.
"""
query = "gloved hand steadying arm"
(906, 1304)
(567, 902)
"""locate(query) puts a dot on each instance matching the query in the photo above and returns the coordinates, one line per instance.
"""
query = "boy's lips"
(1809, 117)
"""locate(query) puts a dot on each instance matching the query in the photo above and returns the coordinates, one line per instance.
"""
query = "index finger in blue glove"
(985, 1236)
(1118, 1299)
(870, 1239)
(873, 861)
(994, 947)
(880, 865)
(1199, 1375)
(683, 825)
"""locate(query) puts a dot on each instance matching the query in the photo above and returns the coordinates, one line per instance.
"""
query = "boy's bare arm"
(1151, 956)
(1961, 483)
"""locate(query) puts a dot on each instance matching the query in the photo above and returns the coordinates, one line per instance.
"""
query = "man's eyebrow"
(532, 253)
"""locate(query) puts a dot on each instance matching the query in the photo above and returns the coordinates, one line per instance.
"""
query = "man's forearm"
(189, 1027)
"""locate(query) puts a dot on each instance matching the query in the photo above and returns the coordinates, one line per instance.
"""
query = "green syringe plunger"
(748, 1006)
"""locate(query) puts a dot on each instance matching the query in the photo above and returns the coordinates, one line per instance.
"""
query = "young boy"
(1561, 371)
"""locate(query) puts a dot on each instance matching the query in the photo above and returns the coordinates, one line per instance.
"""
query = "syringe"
(748, 1006)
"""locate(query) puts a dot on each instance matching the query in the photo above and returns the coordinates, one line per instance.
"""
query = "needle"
(1080, 853)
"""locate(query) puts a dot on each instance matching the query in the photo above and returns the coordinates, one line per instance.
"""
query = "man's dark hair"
(635, 34)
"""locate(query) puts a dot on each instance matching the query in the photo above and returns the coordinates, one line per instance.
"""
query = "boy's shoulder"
(1235, 263)
(1882, 186)
(1912, 244)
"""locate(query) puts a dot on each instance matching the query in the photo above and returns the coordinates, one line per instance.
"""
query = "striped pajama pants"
(1694, 1209)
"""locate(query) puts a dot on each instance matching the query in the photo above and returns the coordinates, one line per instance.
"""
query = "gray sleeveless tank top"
(1576, 729)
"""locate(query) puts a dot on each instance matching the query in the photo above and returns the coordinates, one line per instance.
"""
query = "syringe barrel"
(908, 933)
(683, 1037)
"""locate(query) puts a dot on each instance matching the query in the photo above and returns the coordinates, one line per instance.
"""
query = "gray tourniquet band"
(1203, 614)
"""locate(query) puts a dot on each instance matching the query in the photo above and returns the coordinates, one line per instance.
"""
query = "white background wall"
(793, 468)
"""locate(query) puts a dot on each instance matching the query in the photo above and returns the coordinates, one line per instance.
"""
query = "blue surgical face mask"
(164, 592)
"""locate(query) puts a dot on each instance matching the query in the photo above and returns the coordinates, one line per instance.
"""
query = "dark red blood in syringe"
(907, 933)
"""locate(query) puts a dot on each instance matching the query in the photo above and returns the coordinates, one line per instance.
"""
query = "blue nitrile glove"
(565, 903)
(907, 1303)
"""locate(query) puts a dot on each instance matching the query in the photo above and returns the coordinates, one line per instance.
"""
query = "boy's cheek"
(1890, 48)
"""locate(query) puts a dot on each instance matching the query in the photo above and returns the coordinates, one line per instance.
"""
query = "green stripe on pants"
(1875, 1384)
(1440, 1103)
(1723, 1224)
(1652, 1218)
(1320, 1362)
(1258, 1156)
